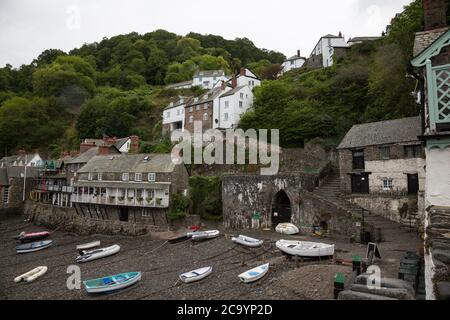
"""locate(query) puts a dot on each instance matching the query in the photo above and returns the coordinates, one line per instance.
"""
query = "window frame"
(151, 177)
(125, 176)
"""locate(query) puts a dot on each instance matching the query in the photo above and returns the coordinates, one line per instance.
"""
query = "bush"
(180, 204)
(206, 197)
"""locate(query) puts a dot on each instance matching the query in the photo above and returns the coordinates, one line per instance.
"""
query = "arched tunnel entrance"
(281, 209)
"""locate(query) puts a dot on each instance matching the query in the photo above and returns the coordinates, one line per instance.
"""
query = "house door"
(281, 209)
(123, 214)
(413, 183)
(360, 183)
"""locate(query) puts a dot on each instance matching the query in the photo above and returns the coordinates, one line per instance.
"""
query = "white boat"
(89, 245)
(287, 228)
(204, 235)
(305, 248)
(86, 256)
(32, 275)
(254, 274)
(32, 247)
(112, 283)
(195, 275)
(247, 241)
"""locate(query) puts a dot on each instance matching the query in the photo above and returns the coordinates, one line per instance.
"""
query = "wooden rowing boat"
(195, 275)
(254, 274)
(305, 248)
(87, 256)
(35, 246)
(112, 283)
(32, 275)
(247, 241)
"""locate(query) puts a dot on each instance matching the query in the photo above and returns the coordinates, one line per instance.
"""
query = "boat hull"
(88, 246)
(305, 249)
(98, 254)
(287, 229)
(254, 274)
(195, 275)
(33, 247)
(32, 275)
(112, 283)
(205, 235)
(247, 241)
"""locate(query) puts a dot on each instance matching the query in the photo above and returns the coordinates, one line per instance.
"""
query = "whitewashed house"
(324, 52)
(245, 78)
(173, 115)
(208, 78)
(22, 159)
(294, 62)
(232, 104)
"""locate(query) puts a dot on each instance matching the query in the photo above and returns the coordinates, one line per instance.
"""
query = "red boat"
(31, 237)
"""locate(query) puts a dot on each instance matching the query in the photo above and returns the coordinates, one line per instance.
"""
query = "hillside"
(117, 87)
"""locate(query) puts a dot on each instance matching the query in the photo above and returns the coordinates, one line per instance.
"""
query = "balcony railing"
(439, 97)
(121, 201)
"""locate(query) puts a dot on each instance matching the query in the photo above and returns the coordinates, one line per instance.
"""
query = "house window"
(227, 104)
(125, 176)
(205, 106)
(191, 119)
(191, 109)
(100, 177)
(168, 114)
(358, 160)
(145, 213)
(241, 104)
(413, 151)
(151, 194)
(178, 112)
(138, 177)
(90, 176)
(387, 184)
(292, 63)
(242, 95)
(205, 117)
(225, 116)
(197, 107)
(385, 153)
(152, 177)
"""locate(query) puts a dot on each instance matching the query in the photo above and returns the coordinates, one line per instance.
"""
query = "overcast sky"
(28, 27)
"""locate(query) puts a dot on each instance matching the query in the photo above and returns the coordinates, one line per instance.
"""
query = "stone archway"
(281, 209)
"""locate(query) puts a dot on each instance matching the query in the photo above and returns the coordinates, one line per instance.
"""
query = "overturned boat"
(287, 228)
(254, 274)
(247, 241)
(87, 256)
(305, 248)
(32, 237)
(195, 275)
(112, 283)
(88, 246)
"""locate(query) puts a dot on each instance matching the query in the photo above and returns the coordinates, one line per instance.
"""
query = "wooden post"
(242, 260)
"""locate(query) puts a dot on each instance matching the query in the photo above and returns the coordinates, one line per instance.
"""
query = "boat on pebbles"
(196, 275)
(87, 256)
(112, 283)
(305, 248)
(33, 247)
(254, 274)
(88, 246)
(247, 241)
(205, 235)
(32, 275)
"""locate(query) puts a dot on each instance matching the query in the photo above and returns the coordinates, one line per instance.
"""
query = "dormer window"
(196, 99)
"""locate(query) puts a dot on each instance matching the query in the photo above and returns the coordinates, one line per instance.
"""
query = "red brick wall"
(198, 116)
(435, 14)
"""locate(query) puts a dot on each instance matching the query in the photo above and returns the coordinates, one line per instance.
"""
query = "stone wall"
(69, 220)
(7, 213)
(385, 206)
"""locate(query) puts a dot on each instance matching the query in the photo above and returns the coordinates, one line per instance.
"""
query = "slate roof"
(179, 84)
(206, 97)
(100, 142)
(10, 160)
(232, 91)
(384, 132)
(157, 163)
(358, 39)
(179, 102)
(84, 157)
(209, 73)
(425, 39)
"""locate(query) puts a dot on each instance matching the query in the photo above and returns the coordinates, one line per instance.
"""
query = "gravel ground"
(161, 263)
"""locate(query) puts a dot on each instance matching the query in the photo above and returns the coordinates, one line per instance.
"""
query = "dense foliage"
(369, 84)
(206, 197)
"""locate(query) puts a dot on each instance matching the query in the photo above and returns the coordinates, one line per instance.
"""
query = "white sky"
(28, 27)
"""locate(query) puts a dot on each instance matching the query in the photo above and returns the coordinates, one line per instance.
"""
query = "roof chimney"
(340, 34)
(224, 85)
(242, 72)
(435, 14)
(103, 150)
(234, 82)
(298, 53)
(134, 147)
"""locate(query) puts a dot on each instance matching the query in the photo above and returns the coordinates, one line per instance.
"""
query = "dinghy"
(32, 247)
(32, 275)
(112, 283)
(305, 248)
(204, 235)
(32, 237)
(89, 245)
(287, 228)
(195, 275)
(86, 256)
(247, 241)
(254, 274)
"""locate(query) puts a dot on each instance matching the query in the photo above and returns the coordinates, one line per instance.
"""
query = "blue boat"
(32, 247)
(112, 283)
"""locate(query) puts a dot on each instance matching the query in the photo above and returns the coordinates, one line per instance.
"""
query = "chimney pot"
(435, 14)
(298, 53)
(234, 82)
(242, 72)
(134, 147)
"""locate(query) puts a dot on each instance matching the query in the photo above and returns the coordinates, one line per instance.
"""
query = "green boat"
(112, 283)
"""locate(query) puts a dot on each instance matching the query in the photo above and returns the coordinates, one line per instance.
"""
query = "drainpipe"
(25, 179)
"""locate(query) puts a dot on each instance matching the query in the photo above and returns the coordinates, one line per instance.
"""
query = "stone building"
(432, 63)
(127, 187)
(12, 185)
(381, 167)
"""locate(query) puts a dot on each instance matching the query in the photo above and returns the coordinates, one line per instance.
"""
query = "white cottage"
(245, 77)
(294, 62)
(232, 105)
(326, 48)
(208, 78)
(173, 115)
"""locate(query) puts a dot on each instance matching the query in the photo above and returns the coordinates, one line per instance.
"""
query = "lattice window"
(442, 77)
